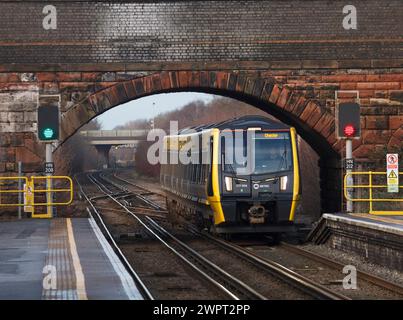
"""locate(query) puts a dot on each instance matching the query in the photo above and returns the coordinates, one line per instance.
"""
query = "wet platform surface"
(60, 259)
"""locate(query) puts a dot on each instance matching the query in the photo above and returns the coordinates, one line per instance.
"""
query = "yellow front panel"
(215, 200)
(295, 191)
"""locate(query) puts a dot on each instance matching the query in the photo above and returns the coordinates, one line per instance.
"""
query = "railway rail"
(137, 280)
(303, 283)
(362, 276)
(238, 288)
(232, 286)
(394, 287)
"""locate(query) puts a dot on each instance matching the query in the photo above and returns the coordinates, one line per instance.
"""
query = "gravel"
(363, 265)
(320, 273)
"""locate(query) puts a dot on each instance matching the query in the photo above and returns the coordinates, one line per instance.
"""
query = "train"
(257, 194)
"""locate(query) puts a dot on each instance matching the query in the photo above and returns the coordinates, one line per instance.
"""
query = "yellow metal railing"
(33, 186)
(370, 187)
(15, 179)
(46, 190)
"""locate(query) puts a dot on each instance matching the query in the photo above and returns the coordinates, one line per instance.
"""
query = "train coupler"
(257, 214)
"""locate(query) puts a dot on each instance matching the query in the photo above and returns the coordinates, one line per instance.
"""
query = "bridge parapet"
(114, 133)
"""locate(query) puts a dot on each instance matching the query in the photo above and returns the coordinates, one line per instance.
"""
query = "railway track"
(231, 286)
(114, 195)
(395, 290)
(238, 290)
(288, 276)
(137, 280)
(365, 276)
(151, 196)
(303, 283)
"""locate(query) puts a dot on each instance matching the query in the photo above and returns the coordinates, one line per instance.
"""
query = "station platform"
(391, 224)
(60, 259)
(378, 239)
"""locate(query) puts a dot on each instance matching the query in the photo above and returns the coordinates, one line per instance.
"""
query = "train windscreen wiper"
(283, 157)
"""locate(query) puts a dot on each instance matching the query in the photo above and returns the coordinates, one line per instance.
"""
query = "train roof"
(240, 123)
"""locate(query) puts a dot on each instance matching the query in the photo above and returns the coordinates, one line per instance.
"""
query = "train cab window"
(271, 152)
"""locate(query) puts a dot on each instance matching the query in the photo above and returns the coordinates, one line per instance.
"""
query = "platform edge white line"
(128, 284)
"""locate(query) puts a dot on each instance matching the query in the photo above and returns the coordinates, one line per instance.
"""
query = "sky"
(143, 108)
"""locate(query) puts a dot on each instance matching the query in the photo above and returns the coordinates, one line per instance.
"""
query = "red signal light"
(349, 130)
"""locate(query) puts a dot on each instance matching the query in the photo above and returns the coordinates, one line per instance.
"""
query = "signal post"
(348, 127)
(48, 132)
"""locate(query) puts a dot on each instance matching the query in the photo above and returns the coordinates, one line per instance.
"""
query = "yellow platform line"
(80, 279)
(376, 218)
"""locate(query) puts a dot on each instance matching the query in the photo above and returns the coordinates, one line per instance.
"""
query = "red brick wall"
(302, 97)
(381, 93)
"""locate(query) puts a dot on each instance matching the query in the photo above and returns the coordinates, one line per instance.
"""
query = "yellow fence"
(372, 190)
(34, 186)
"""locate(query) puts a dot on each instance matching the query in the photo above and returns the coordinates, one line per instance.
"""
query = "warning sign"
(28, 198)
(392, 172)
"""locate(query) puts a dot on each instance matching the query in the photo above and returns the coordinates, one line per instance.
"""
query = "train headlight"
(228, 183)
(283, 183)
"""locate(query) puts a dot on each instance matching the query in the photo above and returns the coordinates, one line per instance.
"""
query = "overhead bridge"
(114, 137)
(103, 140)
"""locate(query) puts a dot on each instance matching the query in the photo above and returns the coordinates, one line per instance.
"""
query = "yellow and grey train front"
(254, 185)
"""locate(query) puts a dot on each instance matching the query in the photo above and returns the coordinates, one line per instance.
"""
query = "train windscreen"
(269, 152)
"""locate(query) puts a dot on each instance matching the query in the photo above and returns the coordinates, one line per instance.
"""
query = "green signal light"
(48, 133)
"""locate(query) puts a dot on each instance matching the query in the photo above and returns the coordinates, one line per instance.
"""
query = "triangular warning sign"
(392, 174)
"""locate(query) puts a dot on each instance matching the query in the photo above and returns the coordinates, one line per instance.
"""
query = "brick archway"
(312, 121)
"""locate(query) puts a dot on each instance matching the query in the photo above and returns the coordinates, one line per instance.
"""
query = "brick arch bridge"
(286, 57)
(314, 122)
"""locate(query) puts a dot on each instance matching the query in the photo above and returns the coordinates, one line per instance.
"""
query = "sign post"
(392, 172)
(28, 197)
(49, 194)
(19, 189)
(350, 181)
